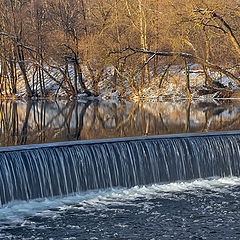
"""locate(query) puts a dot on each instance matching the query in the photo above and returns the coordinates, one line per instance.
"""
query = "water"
(198, 209)
(42, 122)
(155, 188)
(59, 170)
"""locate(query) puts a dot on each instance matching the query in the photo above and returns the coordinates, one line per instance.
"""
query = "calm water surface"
(43, 122)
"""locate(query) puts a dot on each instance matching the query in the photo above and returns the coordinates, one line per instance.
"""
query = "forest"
(116, 46)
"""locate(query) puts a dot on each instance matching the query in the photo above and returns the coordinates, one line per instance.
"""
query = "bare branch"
(187, 56)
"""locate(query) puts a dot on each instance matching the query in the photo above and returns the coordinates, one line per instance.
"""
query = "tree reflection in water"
(43, 121)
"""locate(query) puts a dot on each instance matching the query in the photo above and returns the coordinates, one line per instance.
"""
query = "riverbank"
(173, 86)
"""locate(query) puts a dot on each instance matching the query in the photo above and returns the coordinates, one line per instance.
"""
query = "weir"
(60, 169)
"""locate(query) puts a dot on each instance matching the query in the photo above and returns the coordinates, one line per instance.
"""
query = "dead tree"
(183, 55)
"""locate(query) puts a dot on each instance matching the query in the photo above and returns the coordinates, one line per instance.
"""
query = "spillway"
(60, 169)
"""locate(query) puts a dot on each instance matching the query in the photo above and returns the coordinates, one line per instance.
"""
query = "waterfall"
(60, 169)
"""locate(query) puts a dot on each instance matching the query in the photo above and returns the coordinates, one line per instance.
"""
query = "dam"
(62, 169)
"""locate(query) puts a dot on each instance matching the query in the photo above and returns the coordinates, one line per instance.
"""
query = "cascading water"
(42, 171)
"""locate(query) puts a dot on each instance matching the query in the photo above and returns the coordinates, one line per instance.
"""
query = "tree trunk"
(186, 67)
(24, 73)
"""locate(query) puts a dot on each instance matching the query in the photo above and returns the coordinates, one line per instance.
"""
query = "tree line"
(139, 39)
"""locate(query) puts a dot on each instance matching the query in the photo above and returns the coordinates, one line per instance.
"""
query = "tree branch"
(187, 56)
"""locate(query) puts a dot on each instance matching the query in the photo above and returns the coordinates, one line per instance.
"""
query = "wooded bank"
(72, 43)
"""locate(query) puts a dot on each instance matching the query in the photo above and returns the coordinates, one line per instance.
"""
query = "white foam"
(17, 211)
(164, 190)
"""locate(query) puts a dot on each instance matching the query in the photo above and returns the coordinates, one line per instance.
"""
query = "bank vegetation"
(116, 46)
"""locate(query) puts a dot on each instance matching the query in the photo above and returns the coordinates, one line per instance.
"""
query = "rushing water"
(147, 188)
(184, 187)
(200, 209)
(42, 122)
(59, 170)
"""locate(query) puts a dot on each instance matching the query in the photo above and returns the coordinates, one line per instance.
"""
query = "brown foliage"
(80, 34)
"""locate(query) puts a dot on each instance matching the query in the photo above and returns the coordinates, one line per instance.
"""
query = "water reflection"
(41, 122)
